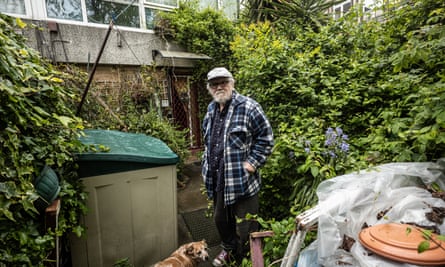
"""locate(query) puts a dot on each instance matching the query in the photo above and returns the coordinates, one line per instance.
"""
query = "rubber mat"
(201, 227)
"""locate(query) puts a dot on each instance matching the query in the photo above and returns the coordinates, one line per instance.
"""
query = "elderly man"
(237, 140)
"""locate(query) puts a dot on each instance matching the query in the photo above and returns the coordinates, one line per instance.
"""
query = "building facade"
(120, 36)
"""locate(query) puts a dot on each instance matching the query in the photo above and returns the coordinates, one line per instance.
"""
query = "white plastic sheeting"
(349, 202)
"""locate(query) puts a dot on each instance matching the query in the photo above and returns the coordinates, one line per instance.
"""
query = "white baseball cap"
(219, 72)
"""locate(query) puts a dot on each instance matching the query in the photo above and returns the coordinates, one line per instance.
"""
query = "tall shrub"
(381, 82)
(204, 31)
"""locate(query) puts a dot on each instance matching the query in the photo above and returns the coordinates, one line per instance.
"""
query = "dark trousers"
(235, 234)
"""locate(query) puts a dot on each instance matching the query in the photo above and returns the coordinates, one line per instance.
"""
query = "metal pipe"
(90, 78)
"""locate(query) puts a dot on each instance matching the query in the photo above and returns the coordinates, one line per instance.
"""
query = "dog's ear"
(189, 250)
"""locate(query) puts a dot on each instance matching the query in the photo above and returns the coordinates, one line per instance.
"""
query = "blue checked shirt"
(247, 137)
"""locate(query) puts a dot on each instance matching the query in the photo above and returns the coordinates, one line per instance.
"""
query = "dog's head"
(197, 251)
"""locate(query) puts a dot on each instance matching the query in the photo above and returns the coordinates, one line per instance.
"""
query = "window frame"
(28, 11)
(149, 4)
(341, 5)
(36, 10)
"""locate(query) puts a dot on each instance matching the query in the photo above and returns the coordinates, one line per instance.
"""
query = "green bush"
(149, 123)
(138, 116)
(381, 82)
(36, 129)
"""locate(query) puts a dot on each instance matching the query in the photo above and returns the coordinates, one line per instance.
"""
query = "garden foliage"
(206, 32)
(382, 82)
(36, 129)
(137, 113)
(351, 94)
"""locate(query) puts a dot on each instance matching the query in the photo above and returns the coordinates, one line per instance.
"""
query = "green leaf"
(408, 230)
(8, 189)
(64, 119)
(23, 237)
(315, 171)
(20, 23)
(423, 246)
(440, 119)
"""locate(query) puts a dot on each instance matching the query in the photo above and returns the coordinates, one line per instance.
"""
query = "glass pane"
(150, 15)
(346, 7)
(64, 9)
(173, 3)
(230, 8)
(208, 3)
(13, 6)
(337, 13)
(101, 11)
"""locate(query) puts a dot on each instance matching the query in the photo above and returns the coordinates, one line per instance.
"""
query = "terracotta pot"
(399, 242)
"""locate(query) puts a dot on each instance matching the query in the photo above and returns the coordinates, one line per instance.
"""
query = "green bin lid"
(126, 147)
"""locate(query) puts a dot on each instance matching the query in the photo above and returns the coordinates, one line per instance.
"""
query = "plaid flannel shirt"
(247, 137)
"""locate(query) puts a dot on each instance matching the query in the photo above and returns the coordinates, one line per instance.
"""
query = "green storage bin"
(132, 207)
(127, 151)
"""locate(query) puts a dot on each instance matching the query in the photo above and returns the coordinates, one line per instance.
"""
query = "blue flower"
(344, 147)
(339, 131)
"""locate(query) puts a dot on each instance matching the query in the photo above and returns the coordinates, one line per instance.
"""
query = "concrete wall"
(81, 44)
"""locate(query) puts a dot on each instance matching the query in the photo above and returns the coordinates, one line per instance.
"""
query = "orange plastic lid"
(399, 242)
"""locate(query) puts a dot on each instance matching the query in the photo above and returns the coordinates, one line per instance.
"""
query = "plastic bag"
(392, 192)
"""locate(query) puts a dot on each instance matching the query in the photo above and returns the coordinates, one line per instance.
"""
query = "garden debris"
(436, 215)
(347, 243)
(436, 192)
(389, 193)
(440, 195)
(383, 213)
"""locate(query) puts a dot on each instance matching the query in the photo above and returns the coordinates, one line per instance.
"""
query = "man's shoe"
(222, 259)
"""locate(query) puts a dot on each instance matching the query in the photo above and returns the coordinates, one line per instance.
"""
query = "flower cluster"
(335, 144)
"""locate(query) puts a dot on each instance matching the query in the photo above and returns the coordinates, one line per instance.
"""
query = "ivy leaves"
(36, 128)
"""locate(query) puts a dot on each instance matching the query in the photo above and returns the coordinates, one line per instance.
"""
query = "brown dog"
(188, 255)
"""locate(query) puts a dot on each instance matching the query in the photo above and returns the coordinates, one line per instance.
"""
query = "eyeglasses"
(216, 84)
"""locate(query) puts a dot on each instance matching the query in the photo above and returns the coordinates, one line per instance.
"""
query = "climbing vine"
(36, 129)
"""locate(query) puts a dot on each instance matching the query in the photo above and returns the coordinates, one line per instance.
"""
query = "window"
(170, 3)
(346, 7)
(64, 9)
(150, 15)
(104, 11)
(337, 13)
(341, 9)
(13, 6)
(128, 13)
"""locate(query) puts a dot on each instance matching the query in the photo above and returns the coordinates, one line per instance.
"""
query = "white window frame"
(36, 10)
(341, 5)
(28, 11)
(150, 4)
